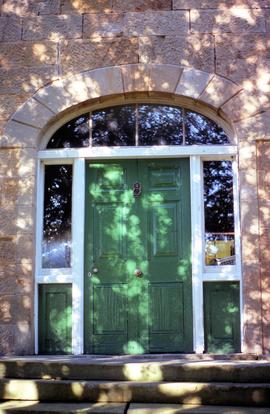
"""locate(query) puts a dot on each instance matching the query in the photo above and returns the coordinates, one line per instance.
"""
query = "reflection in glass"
(57, 216)
(73, 134)
(160, 125)
(218, 212)
(202, 130)
(114, 126)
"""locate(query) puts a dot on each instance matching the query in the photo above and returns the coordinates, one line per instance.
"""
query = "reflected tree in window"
(218, 212)
(202, 130)
(57, 216)
(160, 125)
(114, 126)
(74, 134)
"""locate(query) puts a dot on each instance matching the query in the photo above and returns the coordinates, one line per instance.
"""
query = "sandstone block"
(7, 338)
(26, 80)
(241, 106)
(86, 6)
(25, 219)
(164, 78)
(20, 135)
(10, 28)
(9, 161)
(14, 309)
(9, 104)
(24, 247)
(8, 284)
(33, 113)
(24, 338)
(156, 23)
(26, 7)
(255, 128)
(8, 219)
(193, 82)
(150, 78)
(135, 78)
(52, 28)
(92, 84)
(141, 5)
(7, 250)
(217, 4)
(218, 91)
(103, 25)
(23, 54)
(193, 50)
(80, 55)
(238, 20)
(244, 59)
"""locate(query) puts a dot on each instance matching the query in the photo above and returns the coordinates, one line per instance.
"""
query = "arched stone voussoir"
(193, 82)
(151, 77)
(242, 106)
(81, 87)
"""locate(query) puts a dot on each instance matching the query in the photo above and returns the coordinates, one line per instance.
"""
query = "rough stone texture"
(26, 7)
(80, 55)
(241, 106)
(245, 60)
(156, 23)
(8, 103)
(218, 91)
(219, 4)
(10, 28)
(26, 80)
(23, 54)
(193, 82)
(105, 25)
(86, 6)
(263, 154)
(52, 28)
(17, 134)
(193, 50)
(33, 113)
(141, 5)
(227, 20)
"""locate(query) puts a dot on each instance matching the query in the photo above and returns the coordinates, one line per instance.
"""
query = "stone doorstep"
(135, 369)
(226, 394)
(35, 407)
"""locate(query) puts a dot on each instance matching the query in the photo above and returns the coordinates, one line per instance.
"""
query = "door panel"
(125, 313)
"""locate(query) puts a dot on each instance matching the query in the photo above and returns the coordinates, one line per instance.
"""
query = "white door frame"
(75, 274)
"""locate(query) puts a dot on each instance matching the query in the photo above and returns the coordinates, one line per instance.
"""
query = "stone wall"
(42, 41)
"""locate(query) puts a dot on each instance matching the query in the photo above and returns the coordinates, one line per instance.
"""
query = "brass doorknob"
(138, 273)
(94, 271)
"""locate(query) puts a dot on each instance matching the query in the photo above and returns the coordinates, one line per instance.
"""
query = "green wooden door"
(125, 313)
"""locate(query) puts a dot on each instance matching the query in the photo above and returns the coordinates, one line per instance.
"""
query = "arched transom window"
(138, 125)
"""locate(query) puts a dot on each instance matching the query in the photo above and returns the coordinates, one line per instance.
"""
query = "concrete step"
(236, 394)
(135, 369)
(35, 407)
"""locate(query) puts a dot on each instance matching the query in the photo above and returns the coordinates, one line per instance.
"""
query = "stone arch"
(222, 95)
(226, 98)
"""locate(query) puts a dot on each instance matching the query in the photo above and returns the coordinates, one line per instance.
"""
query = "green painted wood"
(55, 313)
(222, 317)
(125, 313)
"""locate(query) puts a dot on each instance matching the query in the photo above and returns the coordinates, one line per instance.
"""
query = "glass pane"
(73, 134)
(202, 130)
(219, 214)
(160, 125)
(114, 126)
(57, 216)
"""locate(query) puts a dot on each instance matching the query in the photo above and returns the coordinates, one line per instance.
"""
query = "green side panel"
(55, 311)
(222, 317)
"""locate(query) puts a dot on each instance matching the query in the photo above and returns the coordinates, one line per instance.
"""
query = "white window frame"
(75, 275)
